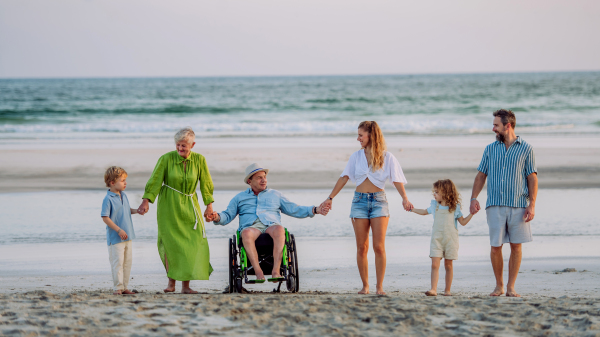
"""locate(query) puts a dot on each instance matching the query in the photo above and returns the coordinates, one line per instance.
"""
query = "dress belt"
(196, 211)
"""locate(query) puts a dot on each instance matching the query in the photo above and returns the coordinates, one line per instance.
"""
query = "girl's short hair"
(449, 193)
(113, 173)
(376, 142)
(185, 134)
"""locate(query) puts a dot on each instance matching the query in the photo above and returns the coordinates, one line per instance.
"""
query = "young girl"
(370, 167)
(444, 237)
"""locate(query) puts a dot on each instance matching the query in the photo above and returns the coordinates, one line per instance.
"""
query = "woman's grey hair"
(185, 134)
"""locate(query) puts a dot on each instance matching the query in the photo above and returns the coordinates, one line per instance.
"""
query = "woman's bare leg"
(361, 231)
(379, 227)
(171, 285)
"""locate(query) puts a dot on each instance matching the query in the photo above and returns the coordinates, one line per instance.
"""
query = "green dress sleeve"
(206, 183)
(156, 180)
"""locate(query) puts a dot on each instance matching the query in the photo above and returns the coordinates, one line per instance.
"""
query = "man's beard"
(500, 137)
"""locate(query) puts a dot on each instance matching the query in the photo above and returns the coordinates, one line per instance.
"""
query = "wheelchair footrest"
(255, 281)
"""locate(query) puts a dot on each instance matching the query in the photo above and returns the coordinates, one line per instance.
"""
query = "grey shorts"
(507, 224)
(258, 225)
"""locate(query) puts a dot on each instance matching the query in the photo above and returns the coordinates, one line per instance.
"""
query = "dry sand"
(36, 165)
(309, 314)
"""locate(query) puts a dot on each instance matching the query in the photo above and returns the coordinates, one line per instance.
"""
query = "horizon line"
(306, 75)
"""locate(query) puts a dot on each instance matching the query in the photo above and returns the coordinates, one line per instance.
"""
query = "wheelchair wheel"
(238, 285)
(232, 263)
(293, 281)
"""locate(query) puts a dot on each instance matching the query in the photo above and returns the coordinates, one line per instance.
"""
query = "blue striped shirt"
(507, 172)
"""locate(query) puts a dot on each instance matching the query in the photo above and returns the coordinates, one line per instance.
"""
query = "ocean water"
(74, 216)
(551, 103)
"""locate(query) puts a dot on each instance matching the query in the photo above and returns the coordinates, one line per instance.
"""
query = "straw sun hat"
(253, 169)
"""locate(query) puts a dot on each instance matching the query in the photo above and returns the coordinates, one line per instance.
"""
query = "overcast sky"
(139, 38)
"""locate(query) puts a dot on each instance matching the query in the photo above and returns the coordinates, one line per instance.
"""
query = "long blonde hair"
(376, 142)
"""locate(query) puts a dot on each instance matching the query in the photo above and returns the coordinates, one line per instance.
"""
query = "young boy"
(116, 214)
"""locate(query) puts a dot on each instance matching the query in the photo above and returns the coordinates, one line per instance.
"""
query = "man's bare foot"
(380, 292)
(188, 291)
(364, 291)
(118, 292)
(447, 293)
(127, 292)
(431, 293)
(497, 291)
(512, 293)
(260, 275)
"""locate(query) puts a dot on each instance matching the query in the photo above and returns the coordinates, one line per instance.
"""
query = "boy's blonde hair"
(449, 193)
(113, 173)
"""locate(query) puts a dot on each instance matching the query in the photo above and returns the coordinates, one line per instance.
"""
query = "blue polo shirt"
(118, 210)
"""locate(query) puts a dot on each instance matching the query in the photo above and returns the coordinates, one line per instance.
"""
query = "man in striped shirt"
(509, 163)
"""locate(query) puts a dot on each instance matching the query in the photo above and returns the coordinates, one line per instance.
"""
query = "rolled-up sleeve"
(350, 168)
(396, 174)
(289, 208)
(229, 214)
(485, 159)
(530, 164)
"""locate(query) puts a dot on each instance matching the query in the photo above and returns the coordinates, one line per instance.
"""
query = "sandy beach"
(559, 281)
(309, 314)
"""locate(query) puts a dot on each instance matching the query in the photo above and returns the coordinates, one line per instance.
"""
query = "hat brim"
(266, 171)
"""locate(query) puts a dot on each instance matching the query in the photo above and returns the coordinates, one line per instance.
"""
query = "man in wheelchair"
(260, 210)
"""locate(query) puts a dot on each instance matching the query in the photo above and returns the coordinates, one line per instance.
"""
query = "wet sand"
(294, 163)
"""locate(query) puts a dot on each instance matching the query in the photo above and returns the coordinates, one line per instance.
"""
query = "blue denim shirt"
(266, 206)
(118, 210)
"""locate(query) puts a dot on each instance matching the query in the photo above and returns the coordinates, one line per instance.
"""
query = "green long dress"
(184, 247)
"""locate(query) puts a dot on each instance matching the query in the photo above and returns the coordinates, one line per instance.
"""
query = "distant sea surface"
(331, 105)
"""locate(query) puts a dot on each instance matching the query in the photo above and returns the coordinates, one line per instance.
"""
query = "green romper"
(181, 233)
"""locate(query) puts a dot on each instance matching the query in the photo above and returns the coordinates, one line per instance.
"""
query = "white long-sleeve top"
(358, 170)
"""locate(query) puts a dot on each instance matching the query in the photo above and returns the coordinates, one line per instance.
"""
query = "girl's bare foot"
(118, 292)
(447, 293)
(380, 292)
(364, 291)
(188, 291)
(497, 291)
(127, 292)
(431, 293)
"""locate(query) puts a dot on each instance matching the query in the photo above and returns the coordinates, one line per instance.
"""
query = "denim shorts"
(369, 205)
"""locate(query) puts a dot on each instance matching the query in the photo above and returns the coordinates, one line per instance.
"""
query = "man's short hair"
(506, 116)
(113, 173)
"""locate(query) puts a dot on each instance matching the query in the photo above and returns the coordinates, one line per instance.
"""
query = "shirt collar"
(251, 192)
(518, 140)
(180, 159)
(112, 194)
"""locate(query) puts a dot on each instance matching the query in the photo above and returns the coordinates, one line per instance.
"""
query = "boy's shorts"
(506, 224)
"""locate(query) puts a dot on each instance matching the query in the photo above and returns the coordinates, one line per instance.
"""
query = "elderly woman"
(182, 243)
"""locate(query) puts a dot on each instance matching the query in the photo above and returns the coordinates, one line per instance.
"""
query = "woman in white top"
(370, 167)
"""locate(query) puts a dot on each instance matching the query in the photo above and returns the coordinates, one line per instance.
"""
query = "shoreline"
(294, 162)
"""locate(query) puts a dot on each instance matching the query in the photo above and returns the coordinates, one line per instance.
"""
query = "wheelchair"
(240, 267)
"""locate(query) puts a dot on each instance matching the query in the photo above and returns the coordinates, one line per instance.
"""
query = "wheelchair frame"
(240, 267)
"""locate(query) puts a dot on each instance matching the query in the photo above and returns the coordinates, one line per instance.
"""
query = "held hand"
(144, 207)
(322, 210)
(123, 235)
(327, 204)
(216, 217)
(529, 213)
(474, 207)
(208, 213)
(408, 206)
